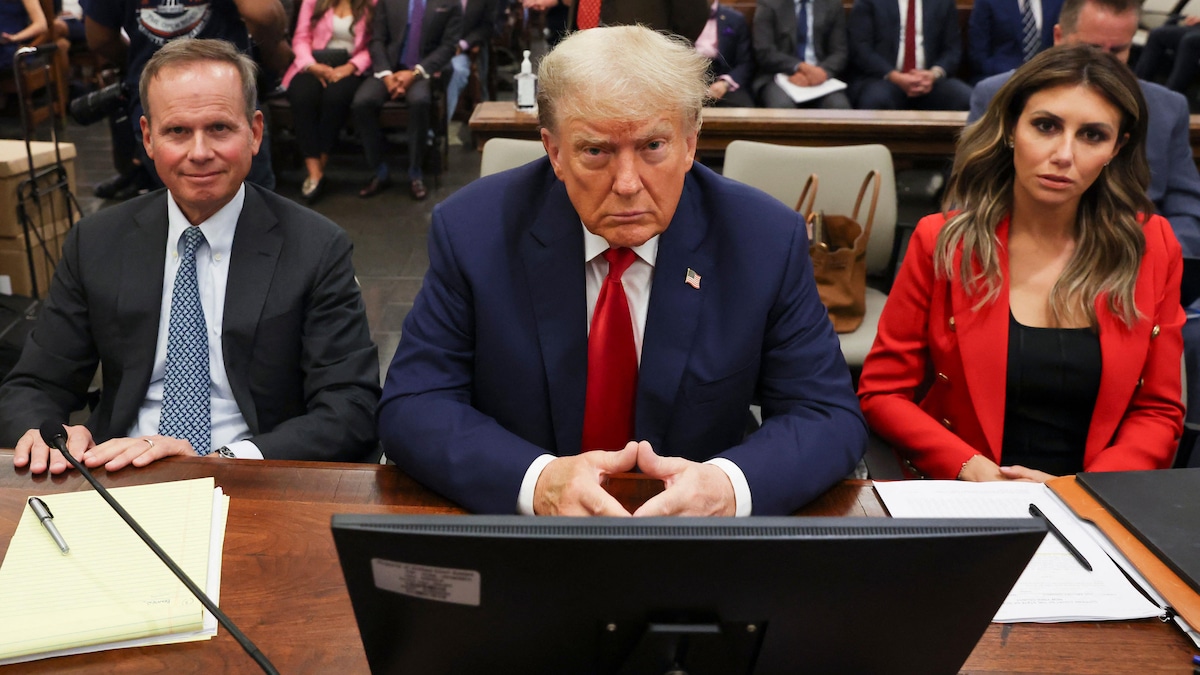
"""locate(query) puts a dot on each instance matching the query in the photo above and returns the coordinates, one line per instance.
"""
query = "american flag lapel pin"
(692, 279)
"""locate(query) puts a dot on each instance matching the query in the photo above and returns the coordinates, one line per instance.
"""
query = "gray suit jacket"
(440, 31)
(775, 38)
(1174, 181)
(297, 350)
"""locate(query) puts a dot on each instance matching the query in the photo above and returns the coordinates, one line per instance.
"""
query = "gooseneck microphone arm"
(54, 435)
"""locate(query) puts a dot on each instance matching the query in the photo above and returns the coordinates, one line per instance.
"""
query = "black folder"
(1160, 508)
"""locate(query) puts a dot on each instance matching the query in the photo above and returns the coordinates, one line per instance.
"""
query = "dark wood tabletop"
(909, 134)
(282, 584)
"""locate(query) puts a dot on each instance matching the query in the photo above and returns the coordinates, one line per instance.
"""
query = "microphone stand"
(55, 439)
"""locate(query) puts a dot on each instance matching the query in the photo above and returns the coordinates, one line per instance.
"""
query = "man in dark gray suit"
(776, 27)
(226, 320)
(410, 41)
(892, 72)
(1174, 181)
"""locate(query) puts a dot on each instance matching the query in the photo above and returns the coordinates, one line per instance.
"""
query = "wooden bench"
(909, 134)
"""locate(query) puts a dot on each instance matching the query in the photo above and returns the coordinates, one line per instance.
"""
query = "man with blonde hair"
(618, 306)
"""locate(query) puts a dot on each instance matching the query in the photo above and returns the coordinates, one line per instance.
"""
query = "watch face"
(226, 452)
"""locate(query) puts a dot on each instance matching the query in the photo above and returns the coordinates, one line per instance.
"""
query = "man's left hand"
(692, 489)
(121, 452)
(815, 74)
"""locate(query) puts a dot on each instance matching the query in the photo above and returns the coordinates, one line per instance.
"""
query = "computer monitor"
(515, 594)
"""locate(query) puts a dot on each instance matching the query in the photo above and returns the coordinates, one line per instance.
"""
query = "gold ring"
(150, 441)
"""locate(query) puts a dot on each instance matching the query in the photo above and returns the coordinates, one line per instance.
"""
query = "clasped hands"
(980, 468)
(571, 486)
(914, 82)
(398, 82)
(808, 75)
(327, 75)
(113, 454)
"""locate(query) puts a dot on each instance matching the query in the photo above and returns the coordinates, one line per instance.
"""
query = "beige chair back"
(502, 154)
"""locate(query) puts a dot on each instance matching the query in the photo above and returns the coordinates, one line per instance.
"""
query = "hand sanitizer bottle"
(526, 86)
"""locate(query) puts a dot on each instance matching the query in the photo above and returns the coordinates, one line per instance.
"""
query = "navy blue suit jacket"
(1174, 181)
(734, 57)
(492, 365)
(874, 28)
(995, 34)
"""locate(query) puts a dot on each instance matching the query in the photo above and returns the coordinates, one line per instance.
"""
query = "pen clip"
(38, 505)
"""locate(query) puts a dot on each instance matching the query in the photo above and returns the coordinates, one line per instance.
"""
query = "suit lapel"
(256, 245)
(673, 313)
(552, 255)
(1122, 356)
(983, 343)
(139, 306)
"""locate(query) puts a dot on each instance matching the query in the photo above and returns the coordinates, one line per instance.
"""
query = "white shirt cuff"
(741, 489)
(245, 450)
(382, 74)
(525, 496)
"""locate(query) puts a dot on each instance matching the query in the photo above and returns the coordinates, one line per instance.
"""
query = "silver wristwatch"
(226, 452)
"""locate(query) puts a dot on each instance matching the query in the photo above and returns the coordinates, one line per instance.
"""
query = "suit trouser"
(1182, 71)
(320, 112)
(369, 99)
(948, 93)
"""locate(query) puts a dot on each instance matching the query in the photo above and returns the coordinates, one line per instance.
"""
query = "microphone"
(55, 436)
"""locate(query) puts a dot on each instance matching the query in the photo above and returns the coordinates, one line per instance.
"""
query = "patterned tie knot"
(619, 260)
(192, 238)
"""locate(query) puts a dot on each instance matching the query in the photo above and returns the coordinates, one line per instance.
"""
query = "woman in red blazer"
(1035, 331)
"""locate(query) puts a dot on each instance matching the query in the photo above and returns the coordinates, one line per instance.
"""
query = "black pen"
(1037, 513)
(43, 514)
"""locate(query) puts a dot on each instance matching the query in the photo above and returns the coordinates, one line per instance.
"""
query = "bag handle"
(872, 174)
(812, 183)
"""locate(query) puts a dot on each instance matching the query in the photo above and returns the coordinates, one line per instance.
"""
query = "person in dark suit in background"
(226, 319)
(725, 42)
(906, 61)
(478, 26)
(616, 304)
(826, 54)
(410, 41)
(996, 35)
(681, 17)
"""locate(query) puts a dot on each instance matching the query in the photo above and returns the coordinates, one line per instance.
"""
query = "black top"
(1053, 379)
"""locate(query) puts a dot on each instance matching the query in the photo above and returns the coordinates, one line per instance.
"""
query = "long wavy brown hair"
(1110, 241)
(358, 9)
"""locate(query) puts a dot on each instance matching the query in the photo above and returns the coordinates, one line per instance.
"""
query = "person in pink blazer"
(330, 45)
(1035, 331)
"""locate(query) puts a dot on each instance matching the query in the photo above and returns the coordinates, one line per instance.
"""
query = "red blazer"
(933, 384)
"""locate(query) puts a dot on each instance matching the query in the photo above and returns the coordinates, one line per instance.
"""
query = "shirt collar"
(594, 245)
(218, 229)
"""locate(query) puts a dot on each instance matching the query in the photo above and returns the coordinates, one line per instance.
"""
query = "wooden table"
(282, 585)
(909, 134)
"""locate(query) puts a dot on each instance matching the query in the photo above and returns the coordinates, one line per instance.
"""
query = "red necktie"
(910, 37)
(588, 14)
(612, 362)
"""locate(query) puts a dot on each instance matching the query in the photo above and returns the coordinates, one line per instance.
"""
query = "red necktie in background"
(588, 14)
(612, 362)
(910, 37)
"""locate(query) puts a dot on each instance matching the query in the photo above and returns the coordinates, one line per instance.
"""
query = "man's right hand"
(912, 83)
(31, 451)
(570, 486)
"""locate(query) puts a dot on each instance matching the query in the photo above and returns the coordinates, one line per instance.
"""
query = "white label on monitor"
(441, 584)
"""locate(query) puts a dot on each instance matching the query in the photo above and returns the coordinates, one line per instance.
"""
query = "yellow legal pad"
(111, 588)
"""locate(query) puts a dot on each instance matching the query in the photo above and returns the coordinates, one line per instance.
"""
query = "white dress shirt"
(920, 35)
(212, 272)
(637, 281)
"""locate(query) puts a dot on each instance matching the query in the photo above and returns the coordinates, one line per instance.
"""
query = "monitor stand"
(684, 648)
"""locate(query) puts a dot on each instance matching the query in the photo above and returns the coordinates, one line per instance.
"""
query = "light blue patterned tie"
(187, 403)
(1031, 40)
